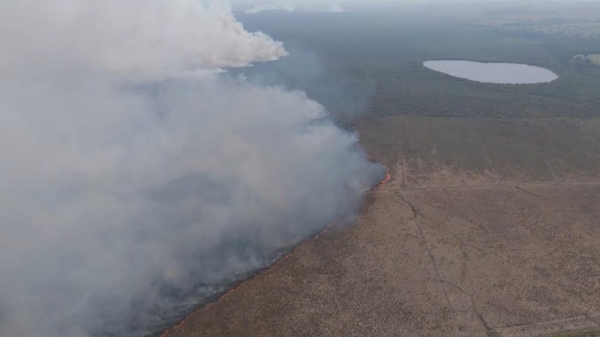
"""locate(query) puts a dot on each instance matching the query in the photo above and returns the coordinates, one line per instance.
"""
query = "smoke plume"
(136, 177)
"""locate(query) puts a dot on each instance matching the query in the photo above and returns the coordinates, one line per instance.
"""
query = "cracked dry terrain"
(489, 227)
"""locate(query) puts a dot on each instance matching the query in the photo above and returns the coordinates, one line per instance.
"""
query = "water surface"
(500, 73)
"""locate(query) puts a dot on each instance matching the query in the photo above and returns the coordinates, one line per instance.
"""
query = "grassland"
(452, 246)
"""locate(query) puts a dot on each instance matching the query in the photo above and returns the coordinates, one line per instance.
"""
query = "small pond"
(500, 73)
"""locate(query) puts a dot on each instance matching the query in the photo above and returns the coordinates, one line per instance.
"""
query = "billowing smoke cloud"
(135, 178)
(329, 84)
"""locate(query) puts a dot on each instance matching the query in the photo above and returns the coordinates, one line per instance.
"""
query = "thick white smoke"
(133, 39)
(134, 178)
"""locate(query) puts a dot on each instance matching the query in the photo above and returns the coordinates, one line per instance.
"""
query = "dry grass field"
(489, 227)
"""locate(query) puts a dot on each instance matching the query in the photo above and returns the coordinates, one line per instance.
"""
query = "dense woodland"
(371, 63)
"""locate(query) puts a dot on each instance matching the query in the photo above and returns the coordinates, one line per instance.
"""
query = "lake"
(499, 73)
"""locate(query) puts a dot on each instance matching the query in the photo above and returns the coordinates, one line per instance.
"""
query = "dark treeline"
(373, 60)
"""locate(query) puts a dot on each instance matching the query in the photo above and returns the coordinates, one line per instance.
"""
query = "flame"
(385, 180)
(388, 176)
(166, 332)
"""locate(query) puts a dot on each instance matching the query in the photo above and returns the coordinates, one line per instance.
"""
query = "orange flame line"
(166, 332)
(385, 180)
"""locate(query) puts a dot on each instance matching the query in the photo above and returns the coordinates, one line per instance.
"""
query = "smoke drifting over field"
(136, 178)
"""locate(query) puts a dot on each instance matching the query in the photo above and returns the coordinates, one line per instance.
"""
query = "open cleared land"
(490, 225)
(593, 58)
